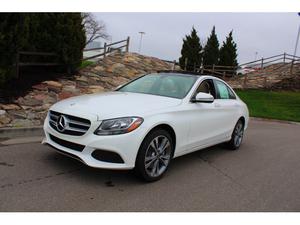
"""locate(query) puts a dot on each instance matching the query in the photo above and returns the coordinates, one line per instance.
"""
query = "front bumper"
(125, 145)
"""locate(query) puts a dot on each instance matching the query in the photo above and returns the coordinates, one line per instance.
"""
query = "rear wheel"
(237, 136)
(154, 155)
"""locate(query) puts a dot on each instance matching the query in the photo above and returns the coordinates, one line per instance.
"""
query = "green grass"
(281, 105)
(85, 64)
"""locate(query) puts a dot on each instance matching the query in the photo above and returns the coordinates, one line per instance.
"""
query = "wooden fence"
(109, 48)
(218, 70)
(229, 71)
(50, 61)
(20, 63)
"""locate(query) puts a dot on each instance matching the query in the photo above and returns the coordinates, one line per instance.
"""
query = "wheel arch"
(165, 127)
(242, 118)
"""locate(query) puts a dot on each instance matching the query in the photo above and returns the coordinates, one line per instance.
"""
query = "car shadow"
(112, 178)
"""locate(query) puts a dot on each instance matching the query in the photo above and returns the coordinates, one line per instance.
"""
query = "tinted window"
(223, 91)
(231, 94)
(164, 84)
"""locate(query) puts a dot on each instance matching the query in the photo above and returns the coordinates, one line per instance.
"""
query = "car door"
(204, 121)
(226, 107)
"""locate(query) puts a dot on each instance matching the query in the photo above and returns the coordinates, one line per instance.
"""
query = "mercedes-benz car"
(147, 122)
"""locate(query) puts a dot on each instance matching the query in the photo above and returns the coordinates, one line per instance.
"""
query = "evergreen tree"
(228, 52)
(13, 34)
(61, 33)
(71, 41)
(190, 51)
(211, 49)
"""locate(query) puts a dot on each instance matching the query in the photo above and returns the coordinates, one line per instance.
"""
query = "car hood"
(113, 104)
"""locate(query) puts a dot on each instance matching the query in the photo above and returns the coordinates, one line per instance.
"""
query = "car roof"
(187, 73)
(180, 72)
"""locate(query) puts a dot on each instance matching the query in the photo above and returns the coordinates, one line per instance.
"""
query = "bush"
(61, 33)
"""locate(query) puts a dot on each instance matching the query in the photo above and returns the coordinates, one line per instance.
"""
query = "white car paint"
(196, 125)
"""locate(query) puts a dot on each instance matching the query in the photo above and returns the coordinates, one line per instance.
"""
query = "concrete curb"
(274, 120)
(22, 140)
(21, 132)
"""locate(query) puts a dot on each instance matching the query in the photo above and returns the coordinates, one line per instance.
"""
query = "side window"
(231, 94)
(206, 86)
(222, 90)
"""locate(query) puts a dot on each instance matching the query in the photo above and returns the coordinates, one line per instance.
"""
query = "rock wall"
(31, 109)
(276, 76)
(112, 71)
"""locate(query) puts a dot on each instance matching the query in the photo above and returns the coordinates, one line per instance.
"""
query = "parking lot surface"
(263, 175)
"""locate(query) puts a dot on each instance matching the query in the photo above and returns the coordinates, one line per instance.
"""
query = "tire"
(237, 136)
(154, 156)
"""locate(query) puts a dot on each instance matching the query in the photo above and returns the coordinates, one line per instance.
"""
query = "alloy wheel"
(158, 155)
(238, 134)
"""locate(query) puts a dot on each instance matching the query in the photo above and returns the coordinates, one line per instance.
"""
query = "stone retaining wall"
(114, 70)
(277, 76)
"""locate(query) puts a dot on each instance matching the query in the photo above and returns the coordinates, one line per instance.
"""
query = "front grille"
(67, 144)
(72, 125)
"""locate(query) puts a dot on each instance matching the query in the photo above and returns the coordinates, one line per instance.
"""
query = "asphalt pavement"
(263, 175)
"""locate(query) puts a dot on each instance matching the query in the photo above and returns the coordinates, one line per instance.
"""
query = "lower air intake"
(107, 156)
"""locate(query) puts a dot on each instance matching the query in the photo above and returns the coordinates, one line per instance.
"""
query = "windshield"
(163, 84)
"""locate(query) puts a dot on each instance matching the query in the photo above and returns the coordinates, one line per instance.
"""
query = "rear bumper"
(125, 145)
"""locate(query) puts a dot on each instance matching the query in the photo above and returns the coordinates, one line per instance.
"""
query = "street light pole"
(201, 66)
(140, 45)
(297, 40)
(255, 57)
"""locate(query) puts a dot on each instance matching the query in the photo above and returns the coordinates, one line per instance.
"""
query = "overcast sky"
(265, 33)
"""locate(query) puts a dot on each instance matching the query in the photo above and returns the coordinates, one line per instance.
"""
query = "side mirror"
(203, 97)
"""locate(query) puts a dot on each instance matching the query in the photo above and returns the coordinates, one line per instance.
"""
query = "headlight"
(118, 126)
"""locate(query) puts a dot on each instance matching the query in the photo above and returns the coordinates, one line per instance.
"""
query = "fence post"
(104, 54)
(265, 82)
(224, 75)
(284, 57)
(185, 63)
(292, 65)
(245, 81)
(127, 44)
(174, 64)
(17, 64)
(213, 68)
(262, 63)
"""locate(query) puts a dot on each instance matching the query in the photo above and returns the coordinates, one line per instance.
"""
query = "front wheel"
(237, 136)
(154, 155)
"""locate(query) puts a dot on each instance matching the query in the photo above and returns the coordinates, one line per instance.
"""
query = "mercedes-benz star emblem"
(61, 123)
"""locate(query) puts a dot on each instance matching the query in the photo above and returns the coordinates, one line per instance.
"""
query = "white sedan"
(147, 122)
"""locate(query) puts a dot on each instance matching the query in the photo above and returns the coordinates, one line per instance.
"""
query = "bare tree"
(94, 28)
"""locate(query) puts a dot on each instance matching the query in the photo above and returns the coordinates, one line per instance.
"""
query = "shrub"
(61, 33)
